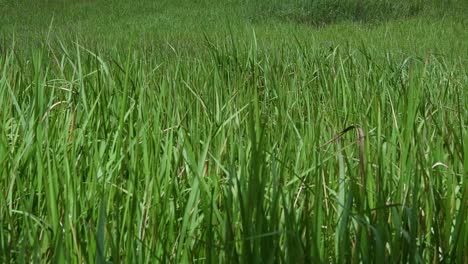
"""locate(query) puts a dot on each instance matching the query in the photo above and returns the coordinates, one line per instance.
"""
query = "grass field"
(233, 131)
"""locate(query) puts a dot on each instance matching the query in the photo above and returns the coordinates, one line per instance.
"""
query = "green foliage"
(241, 145)
(151, 25)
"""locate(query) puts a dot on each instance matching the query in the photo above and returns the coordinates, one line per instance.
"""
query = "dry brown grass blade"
(362, 167)
(361, 141)
(72, 126)
(205, 168)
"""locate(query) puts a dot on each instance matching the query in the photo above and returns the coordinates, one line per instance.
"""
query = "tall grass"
(234, 155)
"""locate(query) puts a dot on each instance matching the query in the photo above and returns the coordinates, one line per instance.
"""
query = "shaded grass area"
(228, 157)
(325, 12)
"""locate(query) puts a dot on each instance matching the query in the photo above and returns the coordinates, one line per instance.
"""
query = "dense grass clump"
(233, 156)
